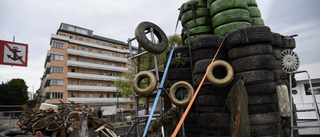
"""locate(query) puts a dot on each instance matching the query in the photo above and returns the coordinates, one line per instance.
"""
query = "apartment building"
(82, 67)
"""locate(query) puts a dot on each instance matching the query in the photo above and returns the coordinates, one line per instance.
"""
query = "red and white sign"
(12, 53)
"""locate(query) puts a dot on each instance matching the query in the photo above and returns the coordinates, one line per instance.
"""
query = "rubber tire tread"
(277, 53)
(201, 21)
(249, 50)
(261, 88)
(179, 74)
(262, 108)
(187, 6)
(255, 76)
(210, 89)
(257, 22)
(282, 73)
(206, 41)
(229, 27)
(215, 131)
(254, 62)
(262, 99)
(264, 130)
(276, 40)
(252, 3)
(288, 42)
(212, 109)
(199, 30)
(187, 16)
(209, 53)
(221, 5)
(215, 119)
(211, 100)
(264, 118)
(254, 12)
(249, 35)
(231, 15)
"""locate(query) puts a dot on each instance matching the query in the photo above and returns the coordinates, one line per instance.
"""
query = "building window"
(100, 95)
(119, 65)
(131, 106)
(116, 47)
(57, 69)
(73, 47)
(82, 49)
(113, 64)
(56, 95)
(99, 62)
(113, 74)
(82, 60)
(71, 37)
(58, 82)
(100, 73)
(73, 58)
(73, 70)
(118, 55)
(119, 75)
(108, 95)
(315, 88)
(112, 54)
(107, 84)
(73, 95)
(83, 95)
(90, 83)
(98, 42)
(90, 50)
(90, 72)
(61, 34)
(81, 39)
(110, 45)
(56, 57)
(88, 40)
(73, 82)
(104, 44)
(57, 45)
(99, 84)
(114, 95)
(83, 83)
(99, 52)
(106, 63)
(107, 53)
(83, 71)
(91, 95)
(90, 61)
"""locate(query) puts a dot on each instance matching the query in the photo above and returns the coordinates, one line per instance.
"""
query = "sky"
(33, 21)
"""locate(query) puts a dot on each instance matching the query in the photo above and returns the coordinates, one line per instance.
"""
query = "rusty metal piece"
(72, 126)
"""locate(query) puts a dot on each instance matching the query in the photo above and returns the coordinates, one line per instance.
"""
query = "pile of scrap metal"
(64, 121)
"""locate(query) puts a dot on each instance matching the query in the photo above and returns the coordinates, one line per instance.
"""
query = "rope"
(158, 93)
(195, 94)
(165, 121)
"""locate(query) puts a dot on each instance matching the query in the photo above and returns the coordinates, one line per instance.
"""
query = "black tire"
(221, 5)
(248, 50)
(199, 30)
(198, 77)
(257, 22)
(277, 53)
(212, 109)
(193, 37)
(262, 108)
(231, 15)
(264, 130)
(201, 54)
(175, 81)
(215, 119)
(202, 21)
(201, 66)
(148, 45)
(288, 43)
(264, 118)
(276, 40)
(211, 100)
(254, 12)
(255, 76)
(191, 128)
(189, 15)
(179, 74)
(215, 131)
(280, 73)
(209, 89)
(261, 88)
(252, 3)
(255, 62)
(249, 35)
(229, 27)
(207, 41)
(262, 99)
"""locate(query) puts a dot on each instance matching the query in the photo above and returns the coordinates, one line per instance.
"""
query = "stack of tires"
(214, 117)
(195, 15)
(255, 14)
(251, 56)
(229, 15)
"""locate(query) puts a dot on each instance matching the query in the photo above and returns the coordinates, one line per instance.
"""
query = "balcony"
(47, 80)
(54, 36)
(98, 100)
(91, 88)
(46, 91)
(95, 66)
(47, 68)
(91, 76)
(96, 55)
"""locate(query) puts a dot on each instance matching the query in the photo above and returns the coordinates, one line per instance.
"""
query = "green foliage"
(14, 92)
(124, 85)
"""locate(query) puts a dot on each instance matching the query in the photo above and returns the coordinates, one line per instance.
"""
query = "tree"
(14, 92)
(124, 84)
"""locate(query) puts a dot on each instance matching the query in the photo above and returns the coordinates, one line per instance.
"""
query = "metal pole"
(291, 105)
(122, 108)
(314, 100)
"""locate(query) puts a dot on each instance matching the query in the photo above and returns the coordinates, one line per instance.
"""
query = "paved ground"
(8, 125)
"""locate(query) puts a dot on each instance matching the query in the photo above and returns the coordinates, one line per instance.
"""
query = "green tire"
(231, 15)
(226, 28)
(199, 30)
(252, 3)
(202, 21)
(196, 3)
(257, 22)
(189, 15)
(209, 2)
(254, 12)
(220, 5)
(192, 38)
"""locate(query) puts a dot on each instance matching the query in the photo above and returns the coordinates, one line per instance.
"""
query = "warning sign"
(12, 53)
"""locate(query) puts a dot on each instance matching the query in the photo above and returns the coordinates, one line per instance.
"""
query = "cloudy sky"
(33, 21)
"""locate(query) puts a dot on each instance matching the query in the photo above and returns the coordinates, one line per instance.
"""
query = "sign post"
(14, 54)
